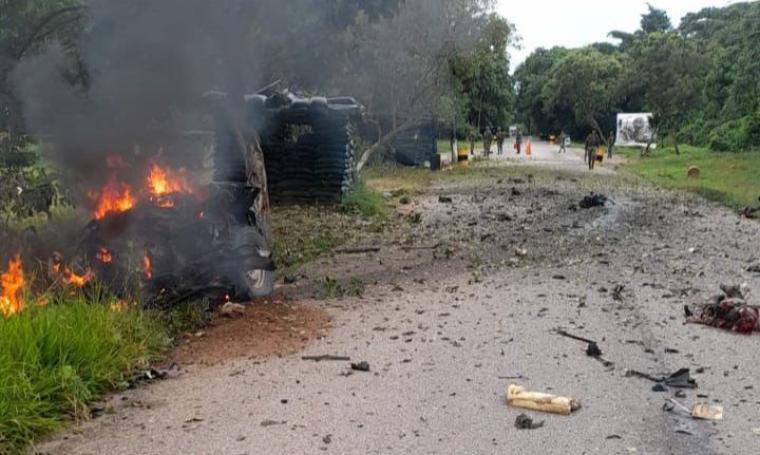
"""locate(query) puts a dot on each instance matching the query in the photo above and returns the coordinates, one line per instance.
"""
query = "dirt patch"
(272, 327)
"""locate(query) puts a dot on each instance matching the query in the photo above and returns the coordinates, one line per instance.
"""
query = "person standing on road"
(473, 137)
(500, 138)
(610, 144)
(592, 143)
(487, 141)
(562, 142)
(518, 141)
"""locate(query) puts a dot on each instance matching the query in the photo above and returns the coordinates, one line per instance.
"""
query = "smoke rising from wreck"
(147, 65)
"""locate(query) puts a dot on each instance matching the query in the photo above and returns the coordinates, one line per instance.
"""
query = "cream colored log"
(518, 397)
(706, 412)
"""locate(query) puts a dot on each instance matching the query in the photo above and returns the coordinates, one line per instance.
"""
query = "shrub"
(727, 137)
(360, 199)
(751, 131)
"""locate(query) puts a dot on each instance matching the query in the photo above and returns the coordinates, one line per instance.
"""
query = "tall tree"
(655, 20)
(584, 82)
(485, 77)
(530, 78)
(26, 26)
(669, 69)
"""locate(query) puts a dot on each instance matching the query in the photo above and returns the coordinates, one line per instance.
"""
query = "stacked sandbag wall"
(308, 146)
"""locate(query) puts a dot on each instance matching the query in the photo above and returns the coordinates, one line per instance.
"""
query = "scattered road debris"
(681, 379)
(755, 268)
(445, 199)
(592, 350)
(704, 411)
(361, 366)
(155, 374)
(519, 376)
(232, 310)
(728, 311)
(326, 358)
(749, 212)
(518, 397)
(524, 422)
(593, 200)
(700, 411)
(271, 423)
(358, 250)
(421, 247)
(617, 293)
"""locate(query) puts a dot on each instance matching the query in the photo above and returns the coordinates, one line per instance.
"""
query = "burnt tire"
(258, 282)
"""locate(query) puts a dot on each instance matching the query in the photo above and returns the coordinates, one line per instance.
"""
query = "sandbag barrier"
(308, 145)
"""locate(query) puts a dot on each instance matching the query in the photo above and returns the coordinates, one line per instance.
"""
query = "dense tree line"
(700, 80)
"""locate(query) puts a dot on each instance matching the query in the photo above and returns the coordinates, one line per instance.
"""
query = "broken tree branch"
(385, 140)
(574, 337)
(358, 250)
(326, 358)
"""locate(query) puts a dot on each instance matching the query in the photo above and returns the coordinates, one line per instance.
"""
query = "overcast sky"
(547, 23)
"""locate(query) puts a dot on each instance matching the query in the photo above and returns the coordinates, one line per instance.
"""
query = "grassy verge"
(55, 360)
(364, 201)
(728, 178)
(398, 180)
(304, 233)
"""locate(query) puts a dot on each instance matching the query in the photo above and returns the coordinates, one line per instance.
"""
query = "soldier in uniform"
(487, 141)
(518, 141)
(500, 138)
(592, 143)
(610, 144)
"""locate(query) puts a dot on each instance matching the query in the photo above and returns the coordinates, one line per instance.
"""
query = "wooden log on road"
(518, 397)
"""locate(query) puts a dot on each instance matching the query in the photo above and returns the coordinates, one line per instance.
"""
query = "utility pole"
(455, 142)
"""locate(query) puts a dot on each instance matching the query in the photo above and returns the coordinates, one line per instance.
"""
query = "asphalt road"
(445, 337)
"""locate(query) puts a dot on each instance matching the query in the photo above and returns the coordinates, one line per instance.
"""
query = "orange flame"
(11, 285)
(78, 281)
(147, 267)
(164, 182)
(104, 256)
(115, 197)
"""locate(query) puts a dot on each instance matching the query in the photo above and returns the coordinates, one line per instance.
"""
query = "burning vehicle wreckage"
(172, 234)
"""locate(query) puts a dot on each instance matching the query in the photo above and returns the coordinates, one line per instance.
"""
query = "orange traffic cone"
(528, 148)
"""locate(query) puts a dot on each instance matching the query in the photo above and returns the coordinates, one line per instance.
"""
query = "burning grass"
(56, 359)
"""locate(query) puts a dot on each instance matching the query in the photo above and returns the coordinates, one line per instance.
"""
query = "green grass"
(398, 180)
(732, 179)
(363, 200)
(304, 233)
(56, 359)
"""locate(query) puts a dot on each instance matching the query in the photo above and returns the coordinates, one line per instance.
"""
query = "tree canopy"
(701, 80)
